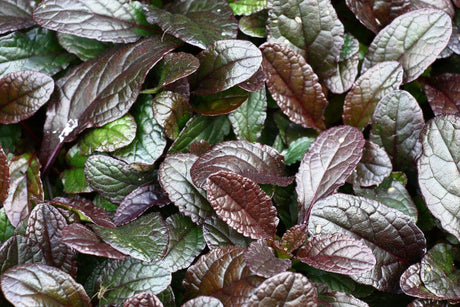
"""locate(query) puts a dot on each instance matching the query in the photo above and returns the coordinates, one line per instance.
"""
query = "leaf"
(261, 260)
(113, 178)
(338, 253)
(84, 48)
(247, 7)
(294, 86)
(297, 149)
(203, 300)
(197, 22)
(391, 193)
(224, 64)
(84, 241)
(327, 297)
(6, 229)
(332, 157)
(221, 102)
(42, 285)
(248, 120)
(260, 163)
(414, 40)
(73, 177)
(294, 237)
(218, 234)
(213, 129)
(36, 49)
(412, 284)
(138, 201)
(438, 272)
(25, 183)
(22, 93)
(242, 204)
(80, 103)
(254, 24)
(45, 227)
(149, 142)
(121, 279)
(223, 274)
(145, 239)
(439, 170)
(285, 289)
(4, 177)
(117, 22)
(393, 237)
(370, 87)
(396, 126)
(310, 28)
(109, 137)
(9, 137)
(373, 168)
(143, 299)
(174, 177)
(16, 15)
(19, 250)
(442, 94)
(185, 242)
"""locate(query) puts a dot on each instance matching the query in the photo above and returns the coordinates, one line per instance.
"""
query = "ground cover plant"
(230, 153)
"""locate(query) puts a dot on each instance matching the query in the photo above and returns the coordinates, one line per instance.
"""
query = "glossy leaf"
(439, 172)
(6, 229)
(221, 102)
(224, 64)
(294, 237)
(203, 300)
(138, 201)
(429, 31)
(45, 227)
(113, 178)
(42, 285)
(218, 234)
(143, 299)
(19, 250)
(36, 49)
(332, 157)
(121, 279)
(22, 93)
(373, 168)
(4, 176)
(109, 137)
(248, 120)
(338, 253)
(297, 149)
(80, 103)
(442, 94)
(285, 289)
(254, 25)
(223, 274)
(393, 237)
(327, 297)
(73, 178)
(145, 239)
(197, 22)
(149, 142)
(16, 15)
(260, 163)
(25, 183)
(185, 242)
(294, 86)
(412, 284)
(311, 28)
(242, 204)
(396, 125)
(174, 177)
(84, 241)
(247, 7)
(370, 87)
(213, 129)
(261, 260)
(84, 48)
(117, 22)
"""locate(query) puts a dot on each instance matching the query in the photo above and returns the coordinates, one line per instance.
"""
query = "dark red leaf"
(4, 176)
(19, 250)
(294, 237)
(261, 260)
(411, 283)
(443, 93)
(256, 82)
(16, 15)
(143, 299)
(203, 300)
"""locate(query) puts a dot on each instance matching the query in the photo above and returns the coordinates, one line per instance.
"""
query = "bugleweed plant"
(230, 153)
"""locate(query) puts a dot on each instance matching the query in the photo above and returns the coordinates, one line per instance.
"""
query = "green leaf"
(185, 242)
(73, 177)
(247, 7)
(6, 229)
(109, 137)
(221, 102)
(36, 49)
(42, 285)
(9, 137)
(248, 120)
(213, 129)
(297, 149)
(414, 40)
(16, 15)
(113, 178)
(117, 22)
(310, 27)
(145, 238)
(218, 234)
(254, 25)
(149, 143)
(19, 250)
(439, 170)
(84, 48)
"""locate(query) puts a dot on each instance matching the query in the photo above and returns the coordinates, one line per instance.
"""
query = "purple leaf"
(411, 283)
(16, 15)
(4, 176)
(221, 102)
(218, 234)
(338, 253)
(261, 260)
(331, 298)
(260, 163)
(256, 82)
(443, 94)
(81, 103)
(294, 85)
(294, 237)
(203, 300)
(143, 299)
(331, 158)
(242, 204)
(19, 250)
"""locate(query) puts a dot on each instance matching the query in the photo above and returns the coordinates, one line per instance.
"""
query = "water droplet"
(298, 19)
(341, 140)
